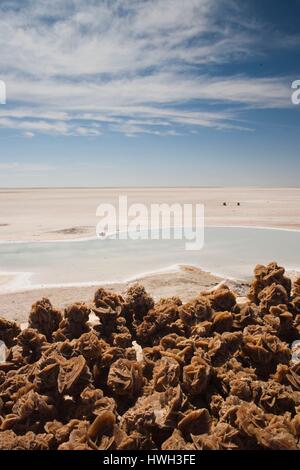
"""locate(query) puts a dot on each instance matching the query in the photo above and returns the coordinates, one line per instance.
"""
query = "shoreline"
(21, 280)
(187, 282)
(176, 268)
(93, 238)
(33, 215)
(134, 278)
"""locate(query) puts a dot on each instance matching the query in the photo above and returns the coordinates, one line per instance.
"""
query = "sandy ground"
(52, 214)
(4, 279)
(186, 283)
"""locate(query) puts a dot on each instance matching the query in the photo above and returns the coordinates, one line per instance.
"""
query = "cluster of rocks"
(208, 374)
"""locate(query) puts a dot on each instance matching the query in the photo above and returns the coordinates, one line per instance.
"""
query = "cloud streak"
(84, 67)
(24, 168)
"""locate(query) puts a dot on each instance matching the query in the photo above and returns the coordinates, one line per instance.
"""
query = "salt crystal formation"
(208, 374)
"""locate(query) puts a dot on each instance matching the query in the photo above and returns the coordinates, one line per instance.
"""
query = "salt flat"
(68, 213)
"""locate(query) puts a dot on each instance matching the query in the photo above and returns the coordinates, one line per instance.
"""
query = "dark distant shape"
(72, 230)
(224, 203)
(238, 203)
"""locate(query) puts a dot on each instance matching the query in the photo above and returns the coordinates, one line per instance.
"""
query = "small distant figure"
(238, 204)
(224, 203)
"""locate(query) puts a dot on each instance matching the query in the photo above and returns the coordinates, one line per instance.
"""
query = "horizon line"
(154, 187)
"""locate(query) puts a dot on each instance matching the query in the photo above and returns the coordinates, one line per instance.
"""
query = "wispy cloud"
(83, 67)
(8, 166)
(24, 167)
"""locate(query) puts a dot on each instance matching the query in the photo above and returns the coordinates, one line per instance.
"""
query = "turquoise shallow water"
(229, 251)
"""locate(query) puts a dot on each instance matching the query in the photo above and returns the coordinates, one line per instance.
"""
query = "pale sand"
(5, 279)
(55, 214)
(186, 284)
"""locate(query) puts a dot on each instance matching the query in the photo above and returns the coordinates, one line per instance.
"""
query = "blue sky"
(149, 92)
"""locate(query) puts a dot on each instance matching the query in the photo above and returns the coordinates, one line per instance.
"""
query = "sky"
(149, 92)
